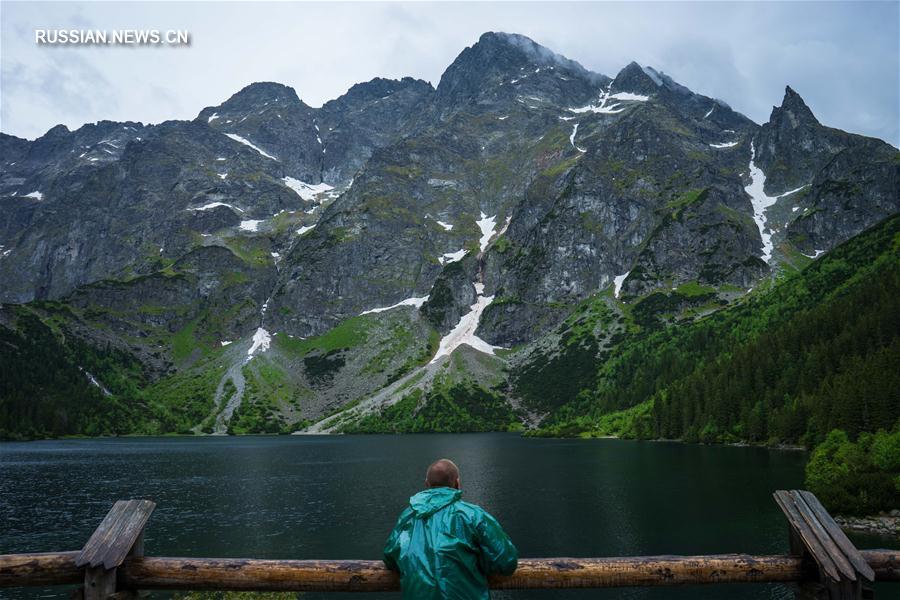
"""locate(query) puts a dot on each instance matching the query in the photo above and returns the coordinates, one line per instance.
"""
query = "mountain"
(404, 257)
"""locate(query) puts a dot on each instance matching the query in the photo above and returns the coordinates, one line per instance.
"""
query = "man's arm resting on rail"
(391, 554)
(498, 554)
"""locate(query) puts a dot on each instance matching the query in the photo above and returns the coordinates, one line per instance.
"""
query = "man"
(445, 548)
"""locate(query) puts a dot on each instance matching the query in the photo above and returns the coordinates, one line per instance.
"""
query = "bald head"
(442, 473)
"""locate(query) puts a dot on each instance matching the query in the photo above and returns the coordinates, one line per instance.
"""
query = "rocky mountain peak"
(636, 79)
(56, 131)
(646, 80)
(381, 87)
(524, 49)
(793, 111)
(255, 96)
(499, 57)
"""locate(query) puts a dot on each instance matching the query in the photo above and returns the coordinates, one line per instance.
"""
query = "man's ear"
(456, 485)
(426, 484)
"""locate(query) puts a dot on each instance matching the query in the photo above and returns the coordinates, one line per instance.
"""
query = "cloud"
(61, 88)
(842, 57)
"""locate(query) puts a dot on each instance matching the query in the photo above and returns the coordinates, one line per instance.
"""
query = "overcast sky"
(841, 57)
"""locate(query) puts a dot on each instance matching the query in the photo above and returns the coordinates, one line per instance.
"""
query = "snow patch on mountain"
(618, 280)
(451, 257)
(724, 145)
(629, 96)
(212, 205)
(464, 332)
(572, 138)
(250, 225)
(247, 142)
(761, 202)
(794, 191)
(604, 107)
(487, 225)
(417, 302)
(307, 191)
(261, 342)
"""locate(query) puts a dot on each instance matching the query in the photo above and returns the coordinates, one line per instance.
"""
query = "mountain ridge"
(292, 262)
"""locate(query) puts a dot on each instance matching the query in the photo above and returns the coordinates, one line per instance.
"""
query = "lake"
(337, 497)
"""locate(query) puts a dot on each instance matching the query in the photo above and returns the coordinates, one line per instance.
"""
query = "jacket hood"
(427, 502)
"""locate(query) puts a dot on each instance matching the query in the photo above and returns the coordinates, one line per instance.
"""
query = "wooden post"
(842, 573)
(120, 534)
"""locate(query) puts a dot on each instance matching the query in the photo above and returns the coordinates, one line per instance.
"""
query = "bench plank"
(834, 552)
(116, 534)
(786, 502)
(840, 538)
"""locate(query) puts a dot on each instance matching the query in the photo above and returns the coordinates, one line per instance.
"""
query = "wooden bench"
(120, 534)
(842, 572)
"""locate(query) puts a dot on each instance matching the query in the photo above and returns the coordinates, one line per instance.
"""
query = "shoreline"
(883, 524)
(780, 447)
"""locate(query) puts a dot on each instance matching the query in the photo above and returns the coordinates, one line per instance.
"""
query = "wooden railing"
(823, 564)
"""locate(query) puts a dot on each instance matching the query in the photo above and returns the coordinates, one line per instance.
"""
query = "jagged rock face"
(140, 192)
(793, 146)
(451, 295)
(478, 157)
(369, 116)
(582, 225)
(31, 166)
(503, 68)
(209, 287)
(703, 240)
(369, 250)
(859, 187)
(120, 217)
(329, 144)
(849, 182)
(271, 117)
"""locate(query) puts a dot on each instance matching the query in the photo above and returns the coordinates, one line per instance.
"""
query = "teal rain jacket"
(445, 548)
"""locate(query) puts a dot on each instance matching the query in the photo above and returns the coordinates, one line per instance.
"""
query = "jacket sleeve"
(391, 555)
(498, 554)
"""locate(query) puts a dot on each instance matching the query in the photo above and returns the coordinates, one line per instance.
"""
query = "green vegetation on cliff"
(816, 351)
(53, 383)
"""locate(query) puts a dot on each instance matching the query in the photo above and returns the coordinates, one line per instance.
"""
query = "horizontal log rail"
(823, 562)
(58, 568)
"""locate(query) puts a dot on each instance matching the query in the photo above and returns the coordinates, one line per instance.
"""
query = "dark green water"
(338, 497)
